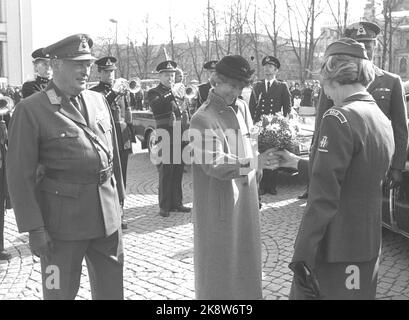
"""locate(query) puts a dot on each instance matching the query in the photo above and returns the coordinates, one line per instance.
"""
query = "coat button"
(56, 192)
(383, 97)
(63, 135)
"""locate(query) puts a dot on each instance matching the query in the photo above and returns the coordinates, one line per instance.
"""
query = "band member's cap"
(106, 63)
(363, 31)
(39, 55)
(235, 67)
(271, 60)
(75, 47)
(347, 46)
(166, 66)
(210, 65)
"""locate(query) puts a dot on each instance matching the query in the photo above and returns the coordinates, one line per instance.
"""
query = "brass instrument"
(180, 91)
(123, 86)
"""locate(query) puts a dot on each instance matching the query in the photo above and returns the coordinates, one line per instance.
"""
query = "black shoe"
(273, 191)
(261, 191)
(4, 255)
(124, 225)
(304, 195)
(164, 213)
(181, 209)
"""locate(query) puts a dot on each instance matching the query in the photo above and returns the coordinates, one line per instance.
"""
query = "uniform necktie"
(78, 106)
(268, 85)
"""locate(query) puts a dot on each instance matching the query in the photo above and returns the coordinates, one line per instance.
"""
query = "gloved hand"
(394, 178)
(306, 280)
(40, 243)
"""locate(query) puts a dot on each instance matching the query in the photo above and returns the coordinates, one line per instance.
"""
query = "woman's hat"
(235, 67)
(347, 46)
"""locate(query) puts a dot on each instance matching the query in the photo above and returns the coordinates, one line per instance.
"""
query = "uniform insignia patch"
(109, 62)
(335, 113)
(323, 145)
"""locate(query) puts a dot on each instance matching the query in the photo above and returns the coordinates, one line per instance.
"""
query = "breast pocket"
(65, 142)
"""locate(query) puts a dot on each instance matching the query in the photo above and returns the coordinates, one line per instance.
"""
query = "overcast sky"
(56, 19)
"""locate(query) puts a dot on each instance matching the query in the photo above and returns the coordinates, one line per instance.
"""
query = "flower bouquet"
(276, 131)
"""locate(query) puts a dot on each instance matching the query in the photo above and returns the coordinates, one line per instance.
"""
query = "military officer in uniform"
(387, 90)
(44, 73)
(166, 113)
(204, 88)
(73, 211)
(269, 96)
(338, 244)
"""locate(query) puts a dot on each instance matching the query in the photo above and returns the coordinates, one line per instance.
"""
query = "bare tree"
(390, 25)
(340, 14)
(301, 23)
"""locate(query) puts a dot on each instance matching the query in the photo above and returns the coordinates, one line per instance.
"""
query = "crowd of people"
(68, 150)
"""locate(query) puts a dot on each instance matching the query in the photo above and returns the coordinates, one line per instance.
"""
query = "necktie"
(268, 85)
(78, 106)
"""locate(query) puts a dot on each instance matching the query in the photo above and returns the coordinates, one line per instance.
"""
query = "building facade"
(15, 41)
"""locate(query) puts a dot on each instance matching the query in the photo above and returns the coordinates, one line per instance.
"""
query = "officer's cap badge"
(268, 59)
(84, 47)
(109, 62)
(361, 31)
(169, 66)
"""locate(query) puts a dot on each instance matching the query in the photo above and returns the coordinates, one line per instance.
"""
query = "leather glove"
(394, 178)
(306, 280)
(40, 243)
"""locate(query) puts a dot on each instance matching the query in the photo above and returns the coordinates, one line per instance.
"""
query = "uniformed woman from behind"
(338, 244)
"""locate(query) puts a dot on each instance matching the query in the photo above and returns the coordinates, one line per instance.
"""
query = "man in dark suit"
(269, 96)
(387, 90)
(204, 88)
(73, 210)
(44, 73)
(167, 113)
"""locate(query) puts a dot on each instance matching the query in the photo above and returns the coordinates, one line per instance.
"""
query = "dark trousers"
(170, 186)
(104, 258)
(124, 155)
(269, 180)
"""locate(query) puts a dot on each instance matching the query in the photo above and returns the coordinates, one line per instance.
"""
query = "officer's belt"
(99, 177)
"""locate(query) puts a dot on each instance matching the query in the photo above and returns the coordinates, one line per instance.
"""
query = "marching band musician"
(204, 88)
(44, 73)
(269, 96)
(120, 110)
(166, 111)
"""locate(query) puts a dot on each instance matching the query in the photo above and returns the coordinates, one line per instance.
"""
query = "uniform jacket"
(204, 89)
(227, 245)
(68, 201)
(121, 112)
(31, 87)
(278, 98)
(387, 90)
(164, 106)
(342, 221)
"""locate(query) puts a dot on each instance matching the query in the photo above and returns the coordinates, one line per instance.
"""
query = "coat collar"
(359, 96)
(57, 98)
(219, 103)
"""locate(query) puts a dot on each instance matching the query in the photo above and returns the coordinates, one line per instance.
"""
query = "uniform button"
(63, 135)
(56, 192)
(383, 97)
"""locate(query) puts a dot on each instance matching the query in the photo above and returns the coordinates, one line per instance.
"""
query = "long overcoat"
(227, 245)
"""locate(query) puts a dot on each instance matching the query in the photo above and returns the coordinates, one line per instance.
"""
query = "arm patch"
(335, 113)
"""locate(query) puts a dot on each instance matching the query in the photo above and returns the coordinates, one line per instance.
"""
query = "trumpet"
(6, 105)
(180, 91)
(122, 86)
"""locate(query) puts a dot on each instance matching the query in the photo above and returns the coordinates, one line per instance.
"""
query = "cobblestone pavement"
(159, 251)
